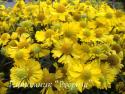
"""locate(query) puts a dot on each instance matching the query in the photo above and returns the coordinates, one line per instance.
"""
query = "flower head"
(24, 74)
(84, 75)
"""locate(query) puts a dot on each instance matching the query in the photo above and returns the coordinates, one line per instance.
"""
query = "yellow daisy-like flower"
(115, 61)
(26, 73)
(84, 75)
(87, 35)
(4, 38)
(108, 75)
(70, 30)
(60, 11)
(100, 32)
(110, 18)
(84, 52)
(42, 35)
(65, 50)
(24, 41)
(38, 51)
(46, 37)
(19, 54)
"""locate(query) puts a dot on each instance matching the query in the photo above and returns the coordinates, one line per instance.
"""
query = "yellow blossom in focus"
(84, 75)
(19, 54)
(65, 50)
(37, 51)
(24, 74)
(108, 75)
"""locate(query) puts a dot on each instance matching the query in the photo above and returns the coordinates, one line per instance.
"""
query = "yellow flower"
(115, 61)
(26, 73)
(48, 77)
(46, 37)
(53, 79)
(108, 75)
(70, 30)
(4, 38)
(65, 50)
(84, 75)
(84, 41)
(31, 9)
(100, 32)
(84, 52)
(18, 54)
(87, 35)
(41, 17)
(38, 51)
(60, 8)
(96, 50)
(24, 41)
(40, 36)
(60, 11)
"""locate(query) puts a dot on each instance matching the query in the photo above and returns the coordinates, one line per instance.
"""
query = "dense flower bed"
(61, 47)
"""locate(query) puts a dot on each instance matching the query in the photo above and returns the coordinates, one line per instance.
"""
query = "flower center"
(86, 48)
(98, 34)
(60, 9)
(86, 33)
(76, 16)
(86, 75)
(68, 33)
(22, 74)
(41, 17)
(113, 60)
(96, 50)
(66, 49)
(19, 55)
(108, 15)
(37, 49)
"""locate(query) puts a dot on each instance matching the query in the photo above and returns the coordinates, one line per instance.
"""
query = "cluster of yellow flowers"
(83, 41)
